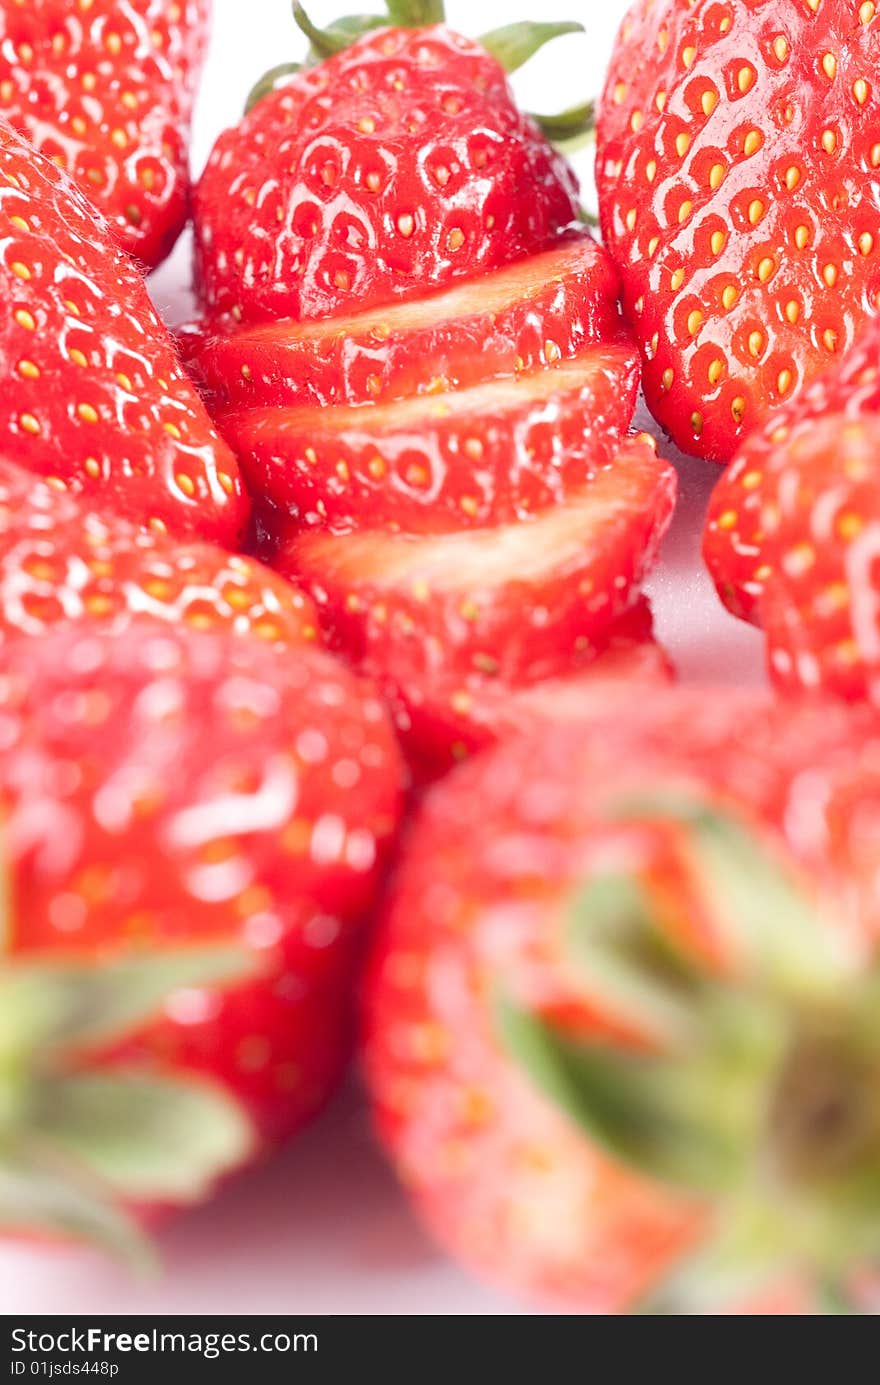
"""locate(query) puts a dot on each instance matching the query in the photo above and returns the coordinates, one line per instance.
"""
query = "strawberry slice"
(519, 602)
(534, 312)
(481, 456)
(442, 720)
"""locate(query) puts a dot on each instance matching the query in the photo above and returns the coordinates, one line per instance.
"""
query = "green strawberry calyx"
(756, 1091)
(83, 1140)
(512, 45)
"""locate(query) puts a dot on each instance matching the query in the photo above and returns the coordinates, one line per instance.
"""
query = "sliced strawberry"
(486, 455)
(444, 720)
(537, 311)
(520, 602)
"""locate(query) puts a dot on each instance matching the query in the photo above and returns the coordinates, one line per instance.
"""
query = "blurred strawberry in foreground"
(739, 183)
(192, 831)
(620, 1017)
(61, 563)
(105, 89)
(393, 168)
(92, 395)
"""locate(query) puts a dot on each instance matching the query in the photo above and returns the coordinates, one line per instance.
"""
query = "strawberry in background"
(397, 165)
(620, 1012)
(193, 830)
(105, 89)
(738, 166)
(92, 395)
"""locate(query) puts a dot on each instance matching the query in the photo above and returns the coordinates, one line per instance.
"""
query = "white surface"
(323, 1229)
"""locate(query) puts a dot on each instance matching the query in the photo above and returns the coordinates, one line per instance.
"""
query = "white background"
(323, 1229)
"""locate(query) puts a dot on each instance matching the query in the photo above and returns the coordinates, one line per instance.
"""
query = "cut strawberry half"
(519, 602)
(443, 720)
(537, 311)
(482, 456)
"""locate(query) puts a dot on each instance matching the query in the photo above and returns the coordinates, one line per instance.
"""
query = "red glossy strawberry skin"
(393, 169)
(517, 602)
(221, 794)
(503, 1178)
(60, 562)
(488, 455)
(736, 545)
(105, 90)
(540, 310)
(442, 721)
(740, 198)
(821, 600)
(92, 395)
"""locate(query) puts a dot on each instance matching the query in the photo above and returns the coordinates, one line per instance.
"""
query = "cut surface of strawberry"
(487, 455)
(536, 311)
(520, 601)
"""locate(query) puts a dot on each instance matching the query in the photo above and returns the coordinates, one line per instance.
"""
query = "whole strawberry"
(393, 168)
(192, 831)
(739, 181)
(105, 90)
(92, 395)
(59, 563)
(820, 606)
(619, 1023)
(744, 513)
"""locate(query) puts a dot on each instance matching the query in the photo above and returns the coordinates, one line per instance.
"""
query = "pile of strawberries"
(612, 981)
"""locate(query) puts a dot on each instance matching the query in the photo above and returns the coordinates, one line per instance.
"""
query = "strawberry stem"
(83, 1139)
(753, 1084)
(338, 36)
(269, 82)
(514, 44)
(412, 14)
(577, 123)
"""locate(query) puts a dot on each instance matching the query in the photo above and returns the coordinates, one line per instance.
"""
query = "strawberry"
(192, 830)
(619, 1017)
(59, 562)
(821, 598)
(441, 720)
(106, 92)
(537, 311)
(518, 602)
(740, 198)
(394, 168)
(745, 501)
(91, 392)
(476, 457)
